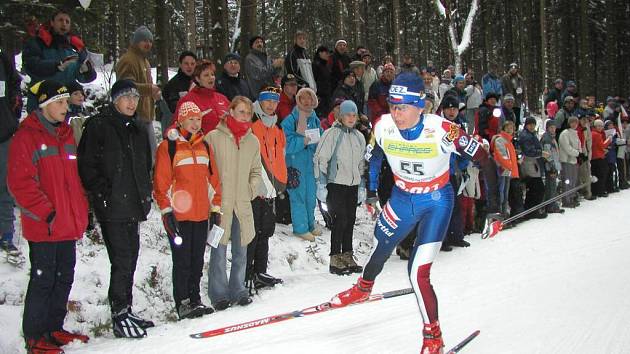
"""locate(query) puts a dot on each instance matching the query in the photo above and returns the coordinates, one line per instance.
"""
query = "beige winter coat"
(240, 174)
(134, 66)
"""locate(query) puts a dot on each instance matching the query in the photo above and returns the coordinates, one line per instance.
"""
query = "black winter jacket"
(176, 88)
(114, 159)
(233, 86)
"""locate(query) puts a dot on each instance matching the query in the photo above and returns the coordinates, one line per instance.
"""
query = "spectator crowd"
(261, 141)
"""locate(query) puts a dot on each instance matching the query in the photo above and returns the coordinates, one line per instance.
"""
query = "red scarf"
(237, 128)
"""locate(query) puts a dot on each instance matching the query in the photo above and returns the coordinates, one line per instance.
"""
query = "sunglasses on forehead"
(272, 89)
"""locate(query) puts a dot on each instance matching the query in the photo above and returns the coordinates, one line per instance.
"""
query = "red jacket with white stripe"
(43, 177)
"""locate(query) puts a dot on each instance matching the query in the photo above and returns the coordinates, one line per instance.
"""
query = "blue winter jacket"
(491, 83)
(298, 155)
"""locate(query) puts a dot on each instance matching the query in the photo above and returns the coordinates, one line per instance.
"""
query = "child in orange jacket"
(185, 178)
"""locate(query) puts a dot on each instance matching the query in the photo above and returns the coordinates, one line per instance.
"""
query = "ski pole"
(493, 227)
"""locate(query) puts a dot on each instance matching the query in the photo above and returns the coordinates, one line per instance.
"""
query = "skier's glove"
(371, 198)
(170, 225)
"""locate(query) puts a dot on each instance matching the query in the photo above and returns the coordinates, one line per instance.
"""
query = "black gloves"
(170, 224)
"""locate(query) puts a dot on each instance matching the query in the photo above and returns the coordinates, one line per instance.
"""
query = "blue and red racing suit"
(419, 158)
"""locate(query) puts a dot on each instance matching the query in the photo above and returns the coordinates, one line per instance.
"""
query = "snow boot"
(63, 337)
(205, 310)
(125, 327)
(221, 305)
(244, 301)
(351, 265)
(432, 342)
(460, 243)
(42, 346)
(264, 280)
(140, 321)
(187, 310)
(317, 231)
(338, 265)
(358, 293)
(307, 236)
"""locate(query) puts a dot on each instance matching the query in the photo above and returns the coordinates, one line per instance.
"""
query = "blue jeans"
(504, 193)
(219, 288)
(6, 200)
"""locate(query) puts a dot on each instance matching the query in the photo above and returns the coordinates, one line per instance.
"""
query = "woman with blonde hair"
(237, 154)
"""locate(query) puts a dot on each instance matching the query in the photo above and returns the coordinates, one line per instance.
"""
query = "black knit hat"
(254, 38)
(75, 86)
(49, 91)
(530, 120)
(492, 95)
(450, 101)
(322, 48)
(232, 56)
(124, 88)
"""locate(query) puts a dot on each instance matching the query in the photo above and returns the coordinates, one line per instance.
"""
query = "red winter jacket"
(285, 107)
(213, 106)
(43, 177)
(599, 145)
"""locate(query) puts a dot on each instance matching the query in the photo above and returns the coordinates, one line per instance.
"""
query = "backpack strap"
(172, 147)
(332, 163)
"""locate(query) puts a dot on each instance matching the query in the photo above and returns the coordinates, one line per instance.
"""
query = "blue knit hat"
(348, 106)
(458, 78)
(407, 88)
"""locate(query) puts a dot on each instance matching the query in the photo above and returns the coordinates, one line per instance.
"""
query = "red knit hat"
(188, 110)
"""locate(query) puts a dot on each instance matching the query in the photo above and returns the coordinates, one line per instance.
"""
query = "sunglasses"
(272, 89)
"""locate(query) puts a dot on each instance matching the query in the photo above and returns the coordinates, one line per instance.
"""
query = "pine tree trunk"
(191, 25)
(248, 24)
(161, 42)
(396, 31)
(356, 19)
(339, 16)
(287, 19)
(219, 15)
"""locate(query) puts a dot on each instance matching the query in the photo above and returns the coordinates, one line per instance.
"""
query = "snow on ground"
(558, 285)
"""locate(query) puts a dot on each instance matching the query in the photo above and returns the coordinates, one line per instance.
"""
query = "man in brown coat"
(134, 66)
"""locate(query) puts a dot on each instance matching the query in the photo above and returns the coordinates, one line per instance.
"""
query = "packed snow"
(556, 285)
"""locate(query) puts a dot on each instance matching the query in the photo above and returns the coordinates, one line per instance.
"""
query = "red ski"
(326, 306)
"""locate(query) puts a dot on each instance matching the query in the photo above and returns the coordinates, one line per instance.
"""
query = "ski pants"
(188, 260)
(584, 176)
(123, 245)
(535, 192)
(551, 189)
(569, 181)
(599, 168)
(303, 203)
(468, 213)
(621, 163)
(6, 200)
(431, 213)
(265, 226)
(342, 206)
(51, 277)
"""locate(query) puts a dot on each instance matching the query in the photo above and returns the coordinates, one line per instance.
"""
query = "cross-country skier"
(418, 148)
